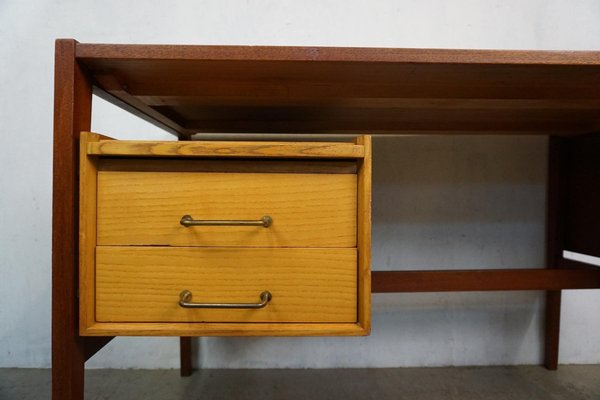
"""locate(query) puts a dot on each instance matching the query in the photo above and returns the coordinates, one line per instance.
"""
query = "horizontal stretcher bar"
(484, 280)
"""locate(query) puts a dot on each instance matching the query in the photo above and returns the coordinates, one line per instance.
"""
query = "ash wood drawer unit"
(224, 238)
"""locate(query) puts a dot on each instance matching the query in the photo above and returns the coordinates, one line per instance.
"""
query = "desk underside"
(254, 89)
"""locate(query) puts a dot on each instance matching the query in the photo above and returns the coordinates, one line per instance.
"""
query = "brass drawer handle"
(185, 298)
(188, 221)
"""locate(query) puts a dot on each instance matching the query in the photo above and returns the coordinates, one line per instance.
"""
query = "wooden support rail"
(204, 149)
(484, 280)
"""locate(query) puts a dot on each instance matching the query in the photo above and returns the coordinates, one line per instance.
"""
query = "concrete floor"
(489, 383)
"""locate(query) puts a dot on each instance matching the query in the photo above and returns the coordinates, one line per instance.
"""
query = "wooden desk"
(203, 89)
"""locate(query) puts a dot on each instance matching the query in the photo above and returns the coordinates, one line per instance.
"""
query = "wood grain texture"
(72, 111)
(133, 148)
(72, 114)
(484, 280)
(364, 233)
(353, 90)
(88, 171)
(90, 51)
(228, 165)
(142, 284)
(224, 329)
(308, 210)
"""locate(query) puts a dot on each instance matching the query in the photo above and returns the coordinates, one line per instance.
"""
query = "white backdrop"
(456, 202)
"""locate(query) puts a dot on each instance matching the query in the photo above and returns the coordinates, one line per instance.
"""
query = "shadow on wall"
(453, 202)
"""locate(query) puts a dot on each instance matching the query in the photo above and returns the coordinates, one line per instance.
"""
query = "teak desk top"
(191, 89)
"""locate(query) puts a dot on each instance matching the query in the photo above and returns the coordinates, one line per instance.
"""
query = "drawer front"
(307, 210)
(143, 284)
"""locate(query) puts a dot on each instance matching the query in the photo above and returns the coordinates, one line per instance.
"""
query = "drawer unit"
(224, 238)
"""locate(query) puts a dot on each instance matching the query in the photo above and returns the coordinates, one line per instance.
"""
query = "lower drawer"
(143, 284)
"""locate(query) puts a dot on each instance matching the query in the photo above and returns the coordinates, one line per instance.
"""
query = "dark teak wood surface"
(72, 114)
(185, 355)
(350, 90)
(484, 280)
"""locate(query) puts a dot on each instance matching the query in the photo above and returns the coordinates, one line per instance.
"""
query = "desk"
(302, 90)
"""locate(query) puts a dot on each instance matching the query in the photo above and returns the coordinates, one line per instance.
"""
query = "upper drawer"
(307, 210)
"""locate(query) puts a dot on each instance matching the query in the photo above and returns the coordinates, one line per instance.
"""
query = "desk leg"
(72, 114)
(553, 302)
(68, 360)
(185, 355)
(555, 242)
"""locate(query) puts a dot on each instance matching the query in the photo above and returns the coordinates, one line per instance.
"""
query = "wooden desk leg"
(185, 355)
(72, 114)
(553, 302)
(555, 238)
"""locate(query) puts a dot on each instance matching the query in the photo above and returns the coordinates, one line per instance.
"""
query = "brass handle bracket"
(185, 301)
(188, 221)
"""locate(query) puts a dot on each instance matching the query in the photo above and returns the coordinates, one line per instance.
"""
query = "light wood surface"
(308, 210)
(308, 259)
(142, 284)
(364, 233)
(135, 148)
(88, 170)
(87, 230)
(223, 329)
(228, 165)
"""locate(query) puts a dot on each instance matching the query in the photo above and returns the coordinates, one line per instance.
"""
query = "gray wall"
(439, 202)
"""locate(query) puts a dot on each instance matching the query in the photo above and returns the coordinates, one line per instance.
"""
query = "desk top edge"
(335, 54)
